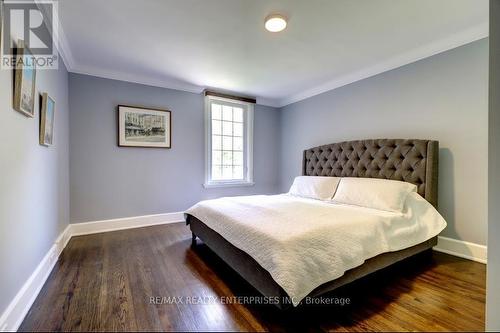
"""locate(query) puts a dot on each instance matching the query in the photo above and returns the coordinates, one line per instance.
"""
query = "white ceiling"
(194, 44)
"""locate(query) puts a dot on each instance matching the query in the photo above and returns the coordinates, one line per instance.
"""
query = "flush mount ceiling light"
(275, 23)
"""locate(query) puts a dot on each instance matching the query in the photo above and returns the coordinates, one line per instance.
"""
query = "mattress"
(304, 243)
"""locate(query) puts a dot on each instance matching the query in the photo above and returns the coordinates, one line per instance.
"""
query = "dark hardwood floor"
(105, 282)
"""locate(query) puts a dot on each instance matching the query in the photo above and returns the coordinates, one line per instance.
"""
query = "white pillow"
(381, 194)
(314, 187)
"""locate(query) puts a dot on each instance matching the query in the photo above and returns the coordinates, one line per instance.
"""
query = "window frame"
(248, 118)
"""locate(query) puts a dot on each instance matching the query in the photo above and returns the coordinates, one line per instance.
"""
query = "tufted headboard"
(409, 160)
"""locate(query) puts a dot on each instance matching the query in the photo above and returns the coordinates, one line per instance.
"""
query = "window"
(229, 137)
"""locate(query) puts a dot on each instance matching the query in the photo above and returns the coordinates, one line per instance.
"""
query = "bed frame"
(410, 160)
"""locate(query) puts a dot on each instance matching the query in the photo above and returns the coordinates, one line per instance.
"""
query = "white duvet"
(304, 243)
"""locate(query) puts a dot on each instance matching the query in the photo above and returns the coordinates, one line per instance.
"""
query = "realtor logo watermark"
(30, 26)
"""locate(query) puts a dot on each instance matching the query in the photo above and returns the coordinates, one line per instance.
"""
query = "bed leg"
(193, 239)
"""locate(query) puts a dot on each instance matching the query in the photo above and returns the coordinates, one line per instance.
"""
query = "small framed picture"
(47, 115)
(144, 127)
(24, 81)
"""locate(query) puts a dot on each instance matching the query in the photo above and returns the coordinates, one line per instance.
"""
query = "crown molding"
(132, 78)
(272, 102)
(60, 39)
(461, 38)
(63, 47)
(166, 83)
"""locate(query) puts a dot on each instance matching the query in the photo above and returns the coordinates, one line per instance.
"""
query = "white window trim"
(248, 172)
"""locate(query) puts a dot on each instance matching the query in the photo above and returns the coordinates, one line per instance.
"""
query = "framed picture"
(144, 127)
(24, 81)
(47, 120)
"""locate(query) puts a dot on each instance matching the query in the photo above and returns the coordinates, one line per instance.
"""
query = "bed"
(409, 160)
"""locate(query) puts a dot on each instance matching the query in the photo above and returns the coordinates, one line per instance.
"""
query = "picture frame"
(144, 127)
(47, 120)
(24, 81)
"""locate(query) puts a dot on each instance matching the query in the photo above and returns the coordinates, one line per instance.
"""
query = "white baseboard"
(13, 316)
(462, 249)
(87, 228)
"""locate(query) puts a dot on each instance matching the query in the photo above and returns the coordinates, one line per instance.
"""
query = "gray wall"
(493, 286)
(34, 182)
(112, 182)
(444, 97)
